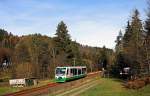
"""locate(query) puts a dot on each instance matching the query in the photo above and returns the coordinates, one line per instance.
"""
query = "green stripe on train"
(69, 79)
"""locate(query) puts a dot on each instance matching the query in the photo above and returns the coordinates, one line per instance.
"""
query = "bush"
(147, 80)
(1, 80)
(138, 83)
(4, 79)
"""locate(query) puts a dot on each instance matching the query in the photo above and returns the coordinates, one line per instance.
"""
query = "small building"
(23, 82)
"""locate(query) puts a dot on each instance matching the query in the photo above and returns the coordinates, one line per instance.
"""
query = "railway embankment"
(55, 88)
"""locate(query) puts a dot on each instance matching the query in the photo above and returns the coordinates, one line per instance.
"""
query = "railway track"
(75, 91)
(27, 92)
(43, 89)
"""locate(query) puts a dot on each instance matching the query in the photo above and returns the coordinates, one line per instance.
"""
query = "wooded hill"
(37, 55)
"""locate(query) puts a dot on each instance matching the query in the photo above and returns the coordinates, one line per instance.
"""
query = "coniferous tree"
(62, 37)
(128, 49)
(119, 44)
(3, 34)
(67, 50)
(136, 41)
(146, 44)
(104, 59)
(127, 36)
(119, 55)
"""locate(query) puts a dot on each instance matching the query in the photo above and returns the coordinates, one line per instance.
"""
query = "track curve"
(41, 89)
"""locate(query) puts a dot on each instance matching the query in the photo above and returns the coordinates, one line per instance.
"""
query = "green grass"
(4, 90)
(113, 87)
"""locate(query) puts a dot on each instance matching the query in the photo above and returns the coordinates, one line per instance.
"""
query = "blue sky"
(90, 22)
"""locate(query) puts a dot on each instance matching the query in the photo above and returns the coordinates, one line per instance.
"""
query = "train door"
(68, 74)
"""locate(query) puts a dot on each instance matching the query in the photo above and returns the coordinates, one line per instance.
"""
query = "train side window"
(67, 71)
(71, 71)
(79, 71)
(74, 71)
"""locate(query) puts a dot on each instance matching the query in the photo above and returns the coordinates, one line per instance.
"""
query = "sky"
(90, 22)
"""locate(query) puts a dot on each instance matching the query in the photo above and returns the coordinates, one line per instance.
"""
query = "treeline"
(133, 48)
(37, 55)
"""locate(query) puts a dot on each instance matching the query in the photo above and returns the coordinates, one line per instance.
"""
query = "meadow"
(114, 87)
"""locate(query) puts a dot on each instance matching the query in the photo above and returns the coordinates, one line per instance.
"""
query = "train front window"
(61, 71)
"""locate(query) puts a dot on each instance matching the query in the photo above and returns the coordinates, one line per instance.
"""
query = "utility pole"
(74, 61)
(91, 67)
(53, 53)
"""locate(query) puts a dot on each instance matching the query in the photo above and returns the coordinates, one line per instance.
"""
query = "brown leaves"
(4, 53)
(138, 83)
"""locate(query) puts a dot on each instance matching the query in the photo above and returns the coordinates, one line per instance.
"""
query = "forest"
(36, 55)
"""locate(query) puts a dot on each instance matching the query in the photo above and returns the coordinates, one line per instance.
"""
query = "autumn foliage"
(37, 56)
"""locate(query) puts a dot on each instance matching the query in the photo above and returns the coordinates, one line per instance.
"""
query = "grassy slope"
(4, 90)
(112, 87)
